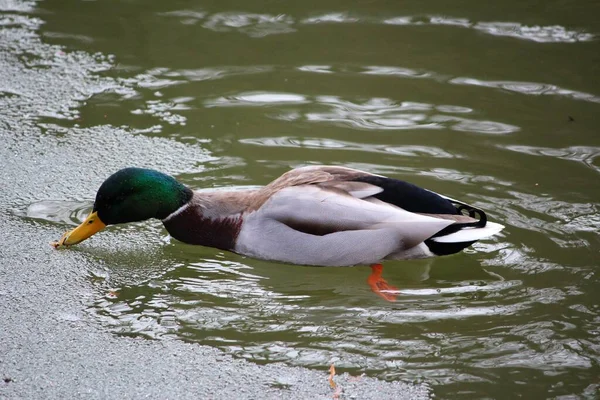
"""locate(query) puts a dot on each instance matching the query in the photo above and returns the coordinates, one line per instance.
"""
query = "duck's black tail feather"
(412, 198)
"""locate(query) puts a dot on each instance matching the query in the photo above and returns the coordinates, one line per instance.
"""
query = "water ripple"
(529, 88)
(64, 212)
(335, 17)
(558, 220)
(160, 78)
(261, 25)
(152, 79)
(298, 326)
(536, 33)
(542, 349)
(204, 74)
(186, 17)
(469, 125)
(257, 99)
(385, 114)
(253, 25)
(571, 217)
(542, 34)
(331, 144)
(201, 304)
(375, 113)
(396, 71)
(319, 69)
(583, 154)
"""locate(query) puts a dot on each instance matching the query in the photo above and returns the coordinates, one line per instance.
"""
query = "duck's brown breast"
(189, 226)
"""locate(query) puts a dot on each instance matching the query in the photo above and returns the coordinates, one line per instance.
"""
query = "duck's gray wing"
(331, 224)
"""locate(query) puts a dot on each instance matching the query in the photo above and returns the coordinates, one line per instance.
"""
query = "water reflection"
(254, 25)
(530, 88)
(257, 99)
(186, 17)
(331, 144)
(447, 174)
(204, 74)
(396, 71)
(469, 125)
(251, 24)
(559, 221)
(583, 154)
(375, 113)
(536, 33)
(335, 17)
(155, 78)
(372, 114)
(261, 25)
(319, 69)
(543, 34)
(161, 78)
(64, 212)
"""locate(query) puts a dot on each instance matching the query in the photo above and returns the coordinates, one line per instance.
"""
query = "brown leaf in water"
(331, 375)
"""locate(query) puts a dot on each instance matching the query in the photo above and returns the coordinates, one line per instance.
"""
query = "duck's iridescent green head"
(130, 195)
(137, 194)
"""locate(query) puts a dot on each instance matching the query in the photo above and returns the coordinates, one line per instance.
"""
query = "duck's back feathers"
(304, 176)
(408, 196)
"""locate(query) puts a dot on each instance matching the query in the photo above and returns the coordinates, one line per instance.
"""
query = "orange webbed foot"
(380, 285)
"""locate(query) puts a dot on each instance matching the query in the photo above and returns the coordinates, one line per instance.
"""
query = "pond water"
(497, 105)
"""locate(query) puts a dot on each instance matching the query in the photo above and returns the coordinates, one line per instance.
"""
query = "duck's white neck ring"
(176, 212)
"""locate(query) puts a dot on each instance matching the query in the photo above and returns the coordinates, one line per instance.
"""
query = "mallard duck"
(315, 215)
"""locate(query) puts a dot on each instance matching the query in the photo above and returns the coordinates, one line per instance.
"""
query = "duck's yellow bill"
(90, 226)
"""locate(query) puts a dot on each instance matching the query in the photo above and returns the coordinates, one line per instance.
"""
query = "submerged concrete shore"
(52, 348)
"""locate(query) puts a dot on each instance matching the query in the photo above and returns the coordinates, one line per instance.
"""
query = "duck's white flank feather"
(361, 232)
